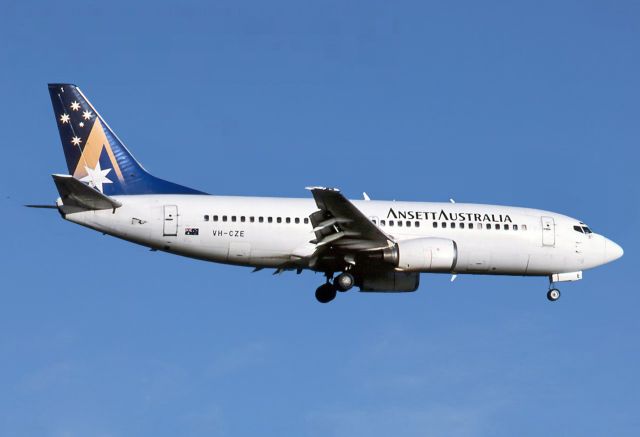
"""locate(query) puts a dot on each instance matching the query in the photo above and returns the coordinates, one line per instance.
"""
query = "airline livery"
(377, 246)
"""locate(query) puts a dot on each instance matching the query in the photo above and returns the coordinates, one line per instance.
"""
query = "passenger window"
(215, 218)
(524, 227)
(297, 220)
(400, 223)
(461, 225)
(252, 219)
(260, 219)
(390, 222)
(470, 225)
(382, 222)
(497, 227)
(233, 218)
(515, 227)
(417, 224)
(488, 226)
(375, 222)
(288, 219)
(279, 219)
(506, 227)
(453, 225)
(435, 224)
(224, 218)
(206, 218)
(444, 225)
(306, 220)
(242, 219)
(270, 219)
(479, 225)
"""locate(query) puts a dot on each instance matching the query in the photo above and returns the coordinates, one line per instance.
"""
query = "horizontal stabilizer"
(42, 206)
(75, 193)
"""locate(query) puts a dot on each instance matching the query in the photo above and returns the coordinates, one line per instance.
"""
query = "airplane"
(375, 245)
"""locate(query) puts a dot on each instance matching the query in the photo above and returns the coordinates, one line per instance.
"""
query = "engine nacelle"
(389, 281)
(424, 255)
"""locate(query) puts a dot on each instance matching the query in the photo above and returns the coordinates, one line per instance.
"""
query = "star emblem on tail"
(96, 177)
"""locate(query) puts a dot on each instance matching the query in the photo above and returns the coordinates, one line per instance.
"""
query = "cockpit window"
(582, 228)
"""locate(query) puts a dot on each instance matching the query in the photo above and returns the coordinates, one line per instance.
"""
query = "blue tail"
(95, 155)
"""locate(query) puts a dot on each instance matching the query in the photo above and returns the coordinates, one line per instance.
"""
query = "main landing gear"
(328, 291)
(344, 281)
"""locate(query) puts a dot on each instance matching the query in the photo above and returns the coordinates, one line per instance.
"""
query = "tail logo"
(95, 155)
(96, 177)
(97, 159)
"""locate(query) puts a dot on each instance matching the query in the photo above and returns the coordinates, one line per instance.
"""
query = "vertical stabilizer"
(95, 155)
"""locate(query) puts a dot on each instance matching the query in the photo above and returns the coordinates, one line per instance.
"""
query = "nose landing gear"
(553, 294)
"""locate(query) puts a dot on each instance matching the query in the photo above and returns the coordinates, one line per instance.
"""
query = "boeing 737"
(377, 246)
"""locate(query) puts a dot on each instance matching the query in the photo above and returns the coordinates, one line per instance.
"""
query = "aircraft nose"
(612, 251)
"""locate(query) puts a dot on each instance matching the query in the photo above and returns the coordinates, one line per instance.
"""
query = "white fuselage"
(267, 232)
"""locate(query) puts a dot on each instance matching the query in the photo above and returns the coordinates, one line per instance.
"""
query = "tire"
(344, 282)
(325, 293)
(553, 294)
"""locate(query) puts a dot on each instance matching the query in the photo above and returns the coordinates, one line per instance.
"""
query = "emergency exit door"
(170, 226)
(548, 231)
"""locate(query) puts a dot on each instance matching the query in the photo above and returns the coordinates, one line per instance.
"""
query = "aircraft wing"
(340, 225)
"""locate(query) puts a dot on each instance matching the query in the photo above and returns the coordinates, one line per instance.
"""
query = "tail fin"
(95, 155)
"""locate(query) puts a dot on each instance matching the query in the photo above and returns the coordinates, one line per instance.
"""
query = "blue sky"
(494, 102)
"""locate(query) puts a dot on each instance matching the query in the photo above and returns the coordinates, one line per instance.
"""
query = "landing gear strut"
(553, 294)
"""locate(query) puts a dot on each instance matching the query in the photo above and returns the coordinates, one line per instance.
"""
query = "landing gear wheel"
(344, 281)
(326, 293)
(553, 294)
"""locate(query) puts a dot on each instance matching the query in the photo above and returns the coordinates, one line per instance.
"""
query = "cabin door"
(170, 226)
(548, 231)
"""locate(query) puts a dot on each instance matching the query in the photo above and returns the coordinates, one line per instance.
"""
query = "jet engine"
(423, 255)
